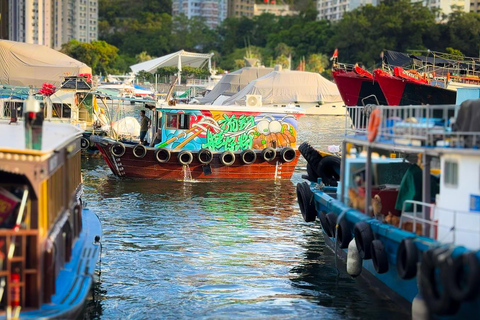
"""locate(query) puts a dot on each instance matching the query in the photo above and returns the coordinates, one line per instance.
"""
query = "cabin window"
(177, 121)
(7, 107)
(61, 110)
(451, 174)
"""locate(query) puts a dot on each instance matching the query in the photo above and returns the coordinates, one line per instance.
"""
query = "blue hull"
(389, 283)
(75, 280)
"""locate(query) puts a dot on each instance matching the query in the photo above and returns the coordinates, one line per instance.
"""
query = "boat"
(49, 243)
(401, 206)
(408, 87)
(193, 142)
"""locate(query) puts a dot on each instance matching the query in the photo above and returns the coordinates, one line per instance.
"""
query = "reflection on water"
(221, 250)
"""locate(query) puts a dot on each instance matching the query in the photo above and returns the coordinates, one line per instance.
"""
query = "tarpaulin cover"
(23, 64)
(232, 83)
(289, 86)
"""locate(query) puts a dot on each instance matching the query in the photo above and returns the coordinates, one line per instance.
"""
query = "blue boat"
(401, 206)
(49, 243)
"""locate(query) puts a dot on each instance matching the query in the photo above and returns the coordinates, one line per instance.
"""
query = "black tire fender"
(324, 223)
(139, 151)
(363, 239)
(84, 143)
(163, 155)
(248, 156)
(379, 256)
(185, 157)
(332, 222)
(288, 154)
(117, 149)
(463, 277)
(306, 202)
(269, 154)
(344, 234)
(205, 156)
(407, 258)
(227, 158)
(438, 301)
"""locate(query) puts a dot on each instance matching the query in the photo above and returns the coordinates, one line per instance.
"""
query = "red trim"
(391, 86)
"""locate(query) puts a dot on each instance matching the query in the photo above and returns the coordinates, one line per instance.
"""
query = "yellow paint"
(393, 155)
(43, 210)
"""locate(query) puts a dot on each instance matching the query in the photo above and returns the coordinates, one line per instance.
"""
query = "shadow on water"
(215, 250)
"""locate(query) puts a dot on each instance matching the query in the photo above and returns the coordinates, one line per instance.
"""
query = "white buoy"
(419, 306)
(354, 262)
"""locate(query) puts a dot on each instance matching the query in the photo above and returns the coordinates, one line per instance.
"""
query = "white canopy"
(176, 59)
(232, 83)
(289, 87)
(24, 64)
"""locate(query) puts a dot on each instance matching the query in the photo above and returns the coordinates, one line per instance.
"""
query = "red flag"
(335, 54)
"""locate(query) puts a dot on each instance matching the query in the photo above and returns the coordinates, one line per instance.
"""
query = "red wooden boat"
(210, 142)
(409, 88)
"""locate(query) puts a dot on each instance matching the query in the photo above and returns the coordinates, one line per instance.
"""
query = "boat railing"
(425, 125)
(420, 218)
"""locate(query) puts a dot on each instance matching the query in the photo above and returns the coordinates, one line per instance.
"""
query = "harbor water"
(220, 250)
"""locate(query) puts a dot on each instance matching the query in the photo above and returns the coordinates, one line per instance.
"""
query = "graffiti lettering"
(234, 134)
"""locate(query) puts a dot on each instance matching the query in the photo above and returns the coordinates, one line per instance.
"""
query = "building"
(241, 8)
(278, 9)
(52, 22)
(3, 19)
(333, 10)
(213, 12)
(447, 6)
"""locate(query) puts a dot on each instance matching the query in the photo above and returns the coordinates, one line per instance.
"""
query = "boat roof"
(280, 108)
(55, 136)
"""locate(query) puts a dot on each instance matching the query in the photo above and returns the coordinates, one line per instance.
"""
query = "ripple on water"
(219, 250)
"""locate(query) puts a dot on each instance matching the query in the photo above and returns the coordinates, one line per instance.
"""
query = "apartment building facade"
(213, 12)
(52, 22)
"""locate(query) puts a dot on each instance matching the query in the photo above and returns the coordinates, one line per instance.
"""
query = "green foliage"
(100, 56)
(167, 71)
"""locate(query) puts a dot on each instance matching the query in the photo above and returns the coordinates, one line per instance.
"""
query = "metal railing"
(425, 125)
(421, 219)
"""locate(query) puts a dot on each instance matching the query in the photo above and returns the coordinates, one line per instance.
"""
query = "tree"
(142, 56)
(99, 55)
(317, 62)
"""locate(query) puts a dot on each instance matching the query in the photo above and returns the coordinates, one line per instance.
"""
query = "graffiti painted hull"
(148, 167)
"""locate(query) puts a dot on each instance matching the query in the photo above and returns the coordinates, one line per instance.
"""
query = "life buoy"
(363, 238)
(407, 258)
(185, 157)
(373, 124)
(379, 256)
(344, 234)
(463, 277)
(332, 222)
(84, 143)
(324, 223)
(329, 170)
(227, 158)
(438, 301)
(205, 156)
(139, 151)
(118, 149)
(269, 154)
(163, 155)
(249, 156)
(288, 154)
(306, 202)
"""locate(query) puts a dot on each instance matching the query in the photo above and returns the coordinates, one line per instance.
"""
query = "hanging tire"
(379, 256)
(117, 149)
(438, 301)
(344, 234)
(407, 258)
(84, 143)
(306, 202)
(248, 156)
(288, 154)
(463, 277)
(227, 158)
(205, 156)
(185, 158)
(324, 223)
(312, 175)
(329, 170)
(269, 154)
(332, 222)
(163, 155)
(363, 239)
(139, 151)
